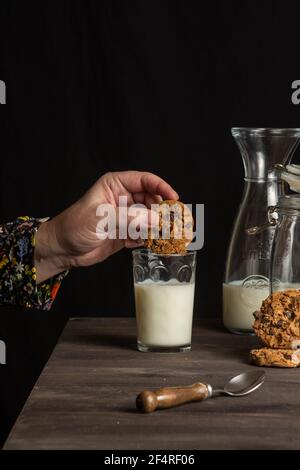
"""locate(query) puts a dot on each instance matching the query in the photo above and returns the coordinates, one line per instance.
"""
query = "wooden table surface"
(85, 397)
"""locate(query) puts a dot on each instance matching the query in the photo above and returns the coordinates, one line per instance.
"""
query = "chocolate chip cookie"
(277, 323)
(174, 231)
(267, 357)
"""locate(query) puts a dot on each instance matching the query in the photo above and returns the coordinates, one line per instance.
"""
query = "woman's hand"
(70, 239)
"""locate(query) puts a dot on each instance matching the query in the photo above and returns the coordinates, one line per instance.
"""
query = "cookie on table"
(277, 323)
(267, 357)
(175, 229)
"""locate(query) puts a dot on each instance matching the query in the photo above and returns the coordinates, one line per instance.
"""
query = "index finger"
(139, 181)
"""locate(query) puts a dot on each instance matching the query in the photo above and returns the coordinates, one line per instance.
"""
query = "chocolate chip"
(287, 356)
(279, 324)
(289, 314)
(257, 314)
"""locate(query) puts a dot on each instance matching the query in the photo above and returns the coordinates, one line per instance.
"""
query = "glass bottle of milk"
(246, 283)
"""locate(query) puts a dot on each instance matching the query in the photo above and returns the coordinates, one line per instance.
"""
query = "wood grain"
(85, 397)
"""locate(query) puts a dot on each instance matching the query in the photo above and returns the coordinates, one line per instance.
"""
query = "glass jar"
(246, 281)
(285, 258)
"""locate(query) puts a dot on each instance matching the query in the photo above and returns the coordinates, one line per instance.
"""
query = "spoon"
(169, 397)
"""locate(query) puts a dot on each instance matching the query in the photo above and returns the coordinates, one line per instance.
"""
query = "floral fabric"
(17, 271)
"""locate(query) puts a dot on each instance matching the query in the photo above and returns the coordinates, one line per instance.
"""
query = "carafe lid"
(291, 175)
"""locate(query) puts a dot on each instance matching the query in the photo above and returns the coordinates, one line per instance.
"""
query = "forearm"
(18, 273)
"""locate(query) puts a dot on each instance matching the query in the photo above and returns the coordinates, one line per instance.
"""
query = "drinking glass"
(164, 288)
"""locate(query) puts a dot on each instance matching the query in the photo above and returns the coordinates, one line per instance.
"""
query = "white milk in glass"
(164, 312)
(239, 303)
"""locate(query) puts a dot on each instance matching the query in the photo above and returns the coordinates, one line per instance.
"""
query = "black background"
(99, 85)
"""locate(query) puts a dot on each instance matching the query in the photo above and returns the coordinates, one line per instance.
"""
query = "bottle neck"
(262, 180)
(263, 193)
(289, 204)
(262, 149)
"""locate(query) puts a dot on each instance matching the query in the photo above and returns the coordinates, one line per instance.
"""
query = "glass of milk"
(164, 288)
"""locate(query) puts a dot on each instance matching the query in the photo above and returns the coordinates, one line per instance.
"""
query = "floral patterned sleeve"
(17, 271)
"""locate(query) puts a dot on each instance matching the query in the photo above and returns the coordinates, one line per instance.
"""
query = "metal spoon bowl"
(242, 384)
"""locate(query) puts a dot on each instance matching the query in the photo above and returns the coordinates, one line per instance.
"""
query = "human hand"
(70, 239)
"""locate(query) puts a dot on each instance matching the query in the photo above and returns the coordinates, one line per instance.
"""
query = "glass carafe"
(246, 281)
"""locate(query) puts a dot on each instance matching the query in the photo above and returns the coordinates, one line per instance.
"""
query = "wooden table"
(85, 397)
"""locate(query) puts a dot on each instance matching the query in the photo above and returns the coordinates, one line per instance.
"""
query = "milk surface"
(164, 312)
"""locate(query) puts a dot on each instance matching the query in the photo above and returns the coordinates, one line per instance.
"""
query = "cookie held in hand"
(267, 357)
(175, 229)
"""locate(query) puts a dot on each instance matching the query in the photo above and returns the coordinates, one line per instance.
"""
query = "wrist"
(49, 258)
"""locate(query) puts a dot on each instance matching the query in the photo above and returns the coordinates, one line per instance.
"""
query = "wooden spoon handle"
(147, 401)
